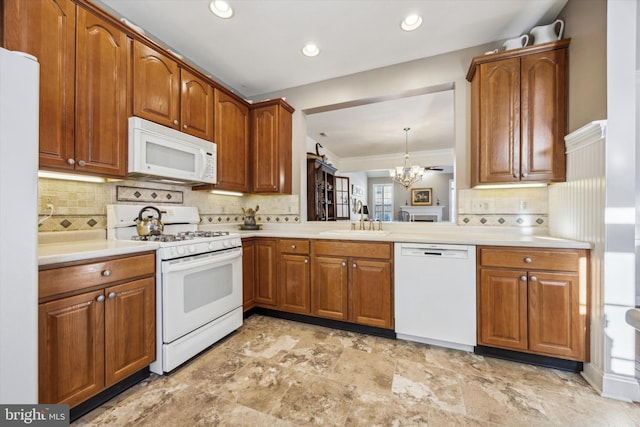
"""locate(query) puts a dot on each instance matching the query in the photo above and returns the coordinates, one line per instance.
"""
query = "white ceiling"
(259, 51)
(377, 128)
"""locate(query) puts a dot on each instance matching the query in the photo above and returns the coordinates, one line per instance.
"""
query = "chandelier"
(407, 175)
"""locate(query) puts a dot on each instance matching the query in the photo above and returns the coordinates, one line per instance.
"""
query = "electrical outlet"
(523, 205)
(479, 206)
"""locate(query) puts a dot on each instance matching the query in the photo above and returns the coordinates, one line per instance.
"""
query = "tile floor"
(275, 372)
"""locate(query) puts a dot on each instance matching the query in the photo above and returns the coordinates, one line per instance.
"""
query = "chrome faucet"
(359, 203)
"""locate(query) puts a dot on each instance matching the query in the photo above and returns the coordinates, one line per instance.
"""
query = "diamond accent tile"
(466, 220)
(65, 223)
(137, 194)
(168, 196)
(154, 195)
(92, 222)
(539, 221)
(502, 220)
(520, 220)
(483, 220)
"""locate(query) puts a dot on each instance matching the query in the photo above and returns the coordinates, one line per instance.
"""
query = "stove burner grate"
(185, 235)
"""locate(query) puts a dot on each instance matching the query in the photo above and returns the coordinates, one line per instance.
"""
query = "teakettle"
(149, 225)
(547, 33)
(516, 43)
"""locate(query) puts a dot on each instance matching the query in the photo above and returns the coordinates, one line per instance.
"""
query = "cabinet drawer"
(352, 249)
(530, 259)
(76, 277)
(293, 246)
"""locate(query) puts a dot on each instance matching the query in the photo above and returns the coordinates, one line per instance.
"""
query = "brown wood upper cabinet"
(271, 162)
(232, 139)
(83, 83)
(519, 115)
(167, 94)
(534, 300)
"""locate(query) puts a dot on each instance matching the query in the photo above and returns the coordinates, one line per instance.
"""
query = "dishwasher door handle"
(432, 253)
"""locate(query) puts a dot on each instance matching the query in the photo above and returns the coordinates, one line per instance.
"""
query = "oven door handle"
(169, 267)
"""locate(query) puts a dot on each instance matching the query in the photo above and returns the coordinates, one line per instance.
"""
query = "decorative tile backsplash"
(81, 205)
(148, 195)
(513, 207)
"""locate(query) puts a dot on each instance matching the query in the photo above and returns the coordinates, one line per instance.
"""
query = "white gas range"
(198, 281)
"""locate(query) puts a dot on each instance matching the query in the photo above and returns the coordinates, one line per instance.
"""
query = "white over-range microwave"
(158, 153)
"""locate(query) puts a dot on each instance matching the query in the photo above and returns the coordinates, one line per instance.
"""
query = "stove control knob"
(225, 243)
(212, 245)
(180, 250)
(192, 248)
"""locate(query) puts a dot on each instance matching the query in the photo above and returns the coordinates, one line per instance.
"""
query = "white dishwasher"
(435, 294)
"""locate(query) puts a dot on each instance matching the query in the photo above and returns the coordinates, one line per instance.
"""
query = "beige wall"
(586, 25)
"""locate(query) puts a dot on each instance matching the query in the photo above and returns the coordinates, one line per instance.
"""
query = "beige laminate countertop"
(54, 253)
(413, 233)
(54, 249)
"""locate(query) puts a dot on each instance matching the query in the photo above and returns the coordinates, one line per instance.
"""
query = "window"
(383, 202)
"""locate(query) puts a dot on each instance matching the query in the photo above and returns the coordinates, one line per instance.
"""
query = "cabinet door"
(271, 145)
(265, 271)
(130, 319)
(232, 139)
(370, 293)
(101, 97)
(556, 325)
(46, 30)
(499, 121)
(329, 287)
(502, 308)
(264, 130)
(544, 115)
(156, 86)
(248, 278)
(293, 279)
(196, 106)
(71, 349)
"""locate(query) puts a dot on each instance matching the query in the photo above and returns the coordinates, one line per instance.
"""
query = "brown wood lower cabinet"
(534, 300)
(352, 281)
(338, 280)
(265, 268)
(94, 333)
(248, 277)
(293, 276)
(330, 287)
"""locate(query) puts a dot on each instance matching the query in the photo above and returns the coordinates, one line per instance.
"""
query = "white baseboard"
(612, 386)
(621, 388)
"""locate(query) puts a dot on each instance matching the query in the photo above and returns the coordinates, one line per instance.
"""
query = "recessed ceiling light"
(310, 49)
(221, 8)
(411, 22)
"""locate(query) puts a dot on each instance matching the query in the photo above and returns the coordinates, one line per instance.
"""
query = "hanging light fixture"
(407, 175)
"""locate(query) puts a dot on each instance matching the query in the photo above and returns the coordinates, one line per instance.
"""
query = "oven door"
(199, 289)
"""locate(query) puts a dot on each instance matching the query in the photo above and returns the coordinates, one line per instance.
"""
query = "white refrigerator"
(19, 94)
